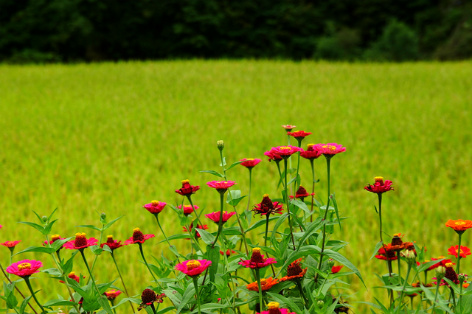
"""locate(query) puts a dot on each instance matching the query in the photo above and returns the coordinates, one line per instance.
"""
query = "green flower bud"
(220, 144)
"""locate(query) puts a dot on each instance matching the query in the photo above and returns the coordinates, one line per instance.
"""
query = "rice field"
(110, 137)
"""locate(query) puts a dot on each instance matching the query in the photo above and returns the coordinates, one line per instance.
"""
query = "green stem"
(99, 241)
(298, 167)
(90, 272)
(398, 263)
(122, 281)
(459, 255)
(287, 203)
(242, 231)
(223, 164)
(290, 165)
(220, 223)
(313, 188)
(266, 229)
(32, 292)
(453, 299)
(300, 288)
(145, 262)
(189, 197)
(153, 308)
(195, 284)
(258, 279)
(162, 230)
(436, 296)
(404, 285)
(328, 165)
(280, 172)
(250, 184)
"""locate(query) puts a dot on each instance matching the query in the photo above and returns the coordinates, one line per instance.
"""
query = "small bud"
(220, 144)
(462, 278)
(330, 262)
(320, 303)
(44, 219)
(440, 272)
(103, 216)
(410, 256)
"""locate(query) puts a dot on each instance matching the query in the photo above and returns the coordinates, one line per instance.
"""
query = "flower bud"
(220, 144)
(330, 262)
(320, 303)
(462, 278)
(44, 219)
(440, 272)
(103, 216)
(410, 256)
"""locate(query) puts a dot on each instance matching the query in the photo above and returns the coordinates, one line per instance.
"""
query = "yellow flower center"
(379, 179)
(285, 148)
(155, 203)
(273, 305)
(330, 147)
(24, 266)
(310, 145)
(459, 223)
(249, 159)
(193, 264)
(263, 282)
(265, 195)
(80, 235)
(109, 237)
(136, 230)
(55, 237)
(427, 261)
(71, 274)
(256, 250)
(449, 264)
(185, 181)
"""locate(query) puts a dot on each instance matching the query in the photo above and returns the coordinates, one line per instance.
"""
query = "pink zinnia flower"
(138, 237)
(112, 294)
(10, 244)
(155, 207)
(111, 243)
(188, 209)
(330, 149)
(273, 156)
(336, 269)
(221, 186)
(380, 186)
(187, 189)
(275, 309)
(311, 152)
(24, 268)
(250, 162)
(454, 250)
(267, 207)
(193, 267)
(54, 238)
(299, 134)
(80, 242)
(257, 260)
(285, 151)
(215, 216)
(289, 127)
(204, 227)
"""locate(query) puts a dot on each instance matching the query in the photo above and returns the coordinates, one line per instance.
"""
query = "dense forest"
(96, 30)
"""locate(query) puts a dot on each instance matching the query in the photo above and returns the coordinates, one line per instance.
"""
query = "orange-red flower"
(204, 227)
(380, 186)
(266, 284)
(336, 269)
(294, 271)
(454, 250)
(187, 189)
(73, 276)
(228, 252)
(387, 253)
(112, 294)
(460, 226)
(250, 162)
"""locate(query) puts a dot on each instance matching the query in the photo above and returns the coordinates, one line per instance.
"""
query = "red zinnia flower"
(80, 242)
(387, 253)
(188, 209)
(112, 244)
(73, 276)
(228, 252)
(112, 294)
(155, 207)
(10, 244)
(289, 127)
(215, 216)
(379, 186)
(273, 156)
(54, 238)
(266, 284)
(330, 149)
(250, 162)
(336, 269)
(294, 271)
(311, 152)
(257, 260)
(148, 297)
(299, 134)
(441, 263)
(301, 193)
(267, 207)
(24, 268)
(275, 309)
(204, 227)
(285, 151)
(138, 237)
(454, 250)
(451, 273)
(187, 189)
(460, 226)
(221, 186)
(193, 267)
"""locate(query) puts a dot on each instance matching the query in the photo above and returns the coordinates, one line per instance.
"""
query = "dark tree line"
(93, 30)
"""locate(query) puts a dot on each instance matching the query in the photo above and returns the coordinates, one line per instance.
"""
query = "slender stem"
(223, 164)
(404, 284)
(266, 229)
(162, 230)
(153, 308)
(90, 272)
(189, 197)
(145, 262)
(99, 241)
(380, 215)
(290, 164)
(436, 296)
(313, 188)
(298, 166)
(220, 223)
(112, 304)
(328, 165)
(453, 299)
(398, 263)
(459, 255)
(32, 292)
(300, 288)
(242, 231)
(250, 184)
(195, 284)
(460, 296)
(22, 295)
(122, 281)
(280, 172)
(287, 202)
(258, 279)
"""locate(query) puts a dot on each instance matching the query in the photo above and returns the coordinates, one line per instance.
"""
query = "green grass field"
(111, 137)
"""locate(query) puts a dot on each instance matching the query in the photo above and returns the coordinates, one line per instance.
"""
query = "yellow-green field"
(111, 137)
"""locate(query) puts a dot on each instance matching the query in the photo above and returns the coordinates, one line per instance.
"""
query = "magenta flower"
(138, 237)
(274, 308)
(24, 268)
(221, 186)
(330, 149)
(250, 162)
(299, 134)
(273, 156)
(112, 294)
(267, 207)
(257, 260)
(215, 216)
(155, 207)
(111, 243)
(311, 152)
(10, 244)
(193, 267)
(380, 186)
(187, 189)
(188, 209)
(54, 238)
(285, 151)
(80, 242)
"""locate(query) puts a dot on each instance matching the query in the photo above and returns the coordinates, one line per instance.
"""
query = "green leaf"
(207, 237)
(336, 209)
(96, 249)
(165, 310)
(214, 256)
(50, 216)
(425, 266)
(234, 164)
(90, 226)
(301, 205)
(376, 249)
(24, 304)
(234, 197)
(279, 222)
(261, 223)
(108, 225)
(59, 303)
(48, 227)
(59, 243)
(38, 249)
(35, 226)
(189, 294)
(285, 302)
(52, 272)
(213, 172)
(103, 301)
(312, 228)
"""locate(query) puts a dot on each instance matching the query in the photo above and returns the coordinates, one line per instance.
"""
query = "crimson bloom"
(250, 162)
(73, 276)
(111, 243)
(311, 152)
(228, 252)
(24, 268)
(441, 263)
(148, 297)
(387, 253)
(80, 242)
(138, 237)
(299, 135)
(54, 238)
(285, 151)
(187, 189)
(221, 186)
(204, 227)
(454, 250)
(112, 294)
(188, 209)
(193, 267)
(380, 186)
(155, 207)
(257, 260)
(10, 244)
(215, 216)
(301, 193)
(336, 269)
(273, 156)
(267, 207)
(330, 149)
(274, 308)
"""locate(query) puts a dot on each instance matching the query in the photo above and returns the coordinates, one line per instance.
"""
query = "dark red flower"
(215, 216)
(155, 207)
(380, 186)
(112, 244)
(311, 152)
(250, 162)
(267, 207)
(80, 242)
(294, 271)
(148, 297)
(138, 237)
(257, 260)
(187, 189)
(301, 193)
